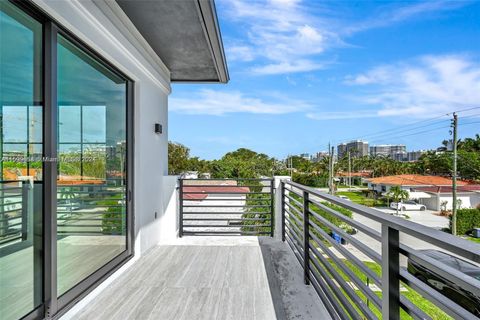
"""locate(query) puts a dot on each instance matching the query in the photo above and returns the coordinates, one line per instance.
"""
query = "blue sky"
(306, 73)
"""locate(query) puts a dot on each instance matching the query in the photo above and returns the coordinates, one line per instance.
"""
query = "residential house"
(468, 196)
(428, 190)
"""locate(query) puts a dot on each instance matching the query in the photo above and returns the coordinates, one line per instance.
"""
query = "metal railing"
(91, 209)
(226, 207)
(376, 280)
(14, 210)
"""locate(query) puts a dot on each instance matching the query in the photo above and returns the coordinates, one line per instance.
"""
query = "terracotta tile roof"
(213, 182)
(13, 174)
(204, 191)
(77, 180)
(414, 180)
(448, 189)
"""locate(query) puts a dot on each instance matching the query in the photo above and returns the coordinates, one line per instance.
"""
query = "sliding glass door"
(66, 218)
(20, 166)
(91, 189)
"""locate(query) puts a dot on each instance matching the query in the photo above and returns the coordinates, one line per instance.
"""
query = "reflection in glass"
(91, 193)
(20, 181)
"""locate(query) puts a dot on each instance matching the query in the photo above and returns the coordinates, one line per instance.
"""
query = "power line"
(408, 125)
(395, 129)
(408, 135)
(411, 129)
(467, 123)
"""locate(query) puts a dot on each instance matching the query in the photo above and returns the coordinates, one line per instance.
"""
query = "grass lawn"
(422, 303)
(477, 240)
(360, 198)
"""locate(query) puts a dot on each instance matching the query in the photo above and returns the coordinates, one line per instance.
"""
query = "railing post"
(282, 206)
(306, 239)
(390, 273)
(272, 187)
(180, 207)
(25, 205)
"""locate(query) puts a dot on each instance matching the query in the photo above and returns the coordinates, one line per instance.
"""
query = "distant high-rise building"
(399, 156)
(357, 148)
(414, 155)
(388, 150)
(380, 150)
(305, 156)
(341, 150)
(321, 155)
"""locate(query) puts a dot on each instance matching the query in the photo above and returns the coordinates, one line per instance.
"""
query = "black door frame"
(54, 307)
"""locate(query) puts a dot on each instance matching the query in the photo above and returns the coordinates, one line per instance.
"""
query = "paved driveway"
(427, 218)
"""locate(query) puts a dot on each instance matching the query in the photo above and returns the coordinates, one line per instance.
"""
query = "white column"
(278, 206)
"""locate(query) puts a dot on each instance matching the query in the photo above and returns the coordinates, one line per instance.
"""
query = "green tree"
(178, 158)
(397, 194)
(244, 163)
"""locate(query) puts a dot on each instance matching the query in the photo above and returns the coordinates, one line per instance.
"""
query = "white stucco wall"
(468, 200)
(105, 28)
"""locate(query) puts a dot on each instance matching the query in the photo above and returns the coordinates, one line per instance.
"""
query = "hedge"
(310, 179)
(467, 219)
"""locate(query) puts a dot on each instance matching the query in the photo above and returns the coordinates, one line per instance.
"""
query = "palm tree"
(398, 195)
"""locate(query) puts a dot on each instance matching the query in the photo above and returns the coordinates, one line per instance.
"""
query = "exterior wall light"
(158, 128)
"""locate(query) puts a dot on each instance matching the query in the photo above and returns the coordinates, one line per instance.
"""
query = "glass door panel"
(21, 146)
(91, 191)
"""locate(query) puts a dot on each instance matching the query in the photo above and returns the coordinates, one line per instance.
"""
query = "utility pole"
(349, 172)
(291, 167)
(330, 170)
(454, 175)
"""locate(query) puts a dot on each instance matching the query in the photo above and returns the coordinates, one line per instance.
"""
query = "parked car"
(453, 291)
(407, 205)
(344, 197)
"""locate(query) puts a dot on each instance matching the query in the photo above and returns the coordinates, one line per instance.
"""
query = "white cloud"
(280, 33)
(380, 74)
(287, 67)
(431, 85)
(240, 53)
(282, 36)
(212, 102)
(356, 114)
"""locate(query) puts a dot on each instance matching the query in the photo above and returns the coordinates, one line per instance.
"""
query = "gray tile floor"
(207, 278)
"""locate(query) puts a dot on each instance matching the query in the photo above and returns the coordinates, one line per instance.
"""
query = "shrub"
(467, 219)
(310, 179)
(331, 218)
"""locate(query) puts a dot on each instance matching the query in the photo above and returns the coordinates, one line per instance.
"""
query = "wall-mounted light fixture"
(158, 128)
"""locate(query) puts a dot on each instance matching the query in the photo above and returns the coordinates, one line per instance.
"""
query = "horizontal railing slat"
(354, 260)
(355, 242)
(462, 247)
(447, 305)
(362, 286)
(328, 280)
(334, 288)
(295, 250)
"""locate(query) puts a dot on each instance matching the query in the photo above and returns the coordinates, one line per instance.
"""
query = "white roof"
(418, 195)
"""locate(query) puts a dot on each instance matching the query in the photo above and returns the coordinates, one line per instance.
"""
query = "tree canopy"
(246, 163)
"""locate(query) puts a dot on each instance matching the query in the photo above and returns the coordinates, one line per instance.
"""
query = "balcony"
(241, 254)
(224, 267)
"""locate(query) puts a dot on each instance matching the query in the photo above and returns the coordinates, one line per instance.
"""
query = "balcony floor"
(210, 278)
